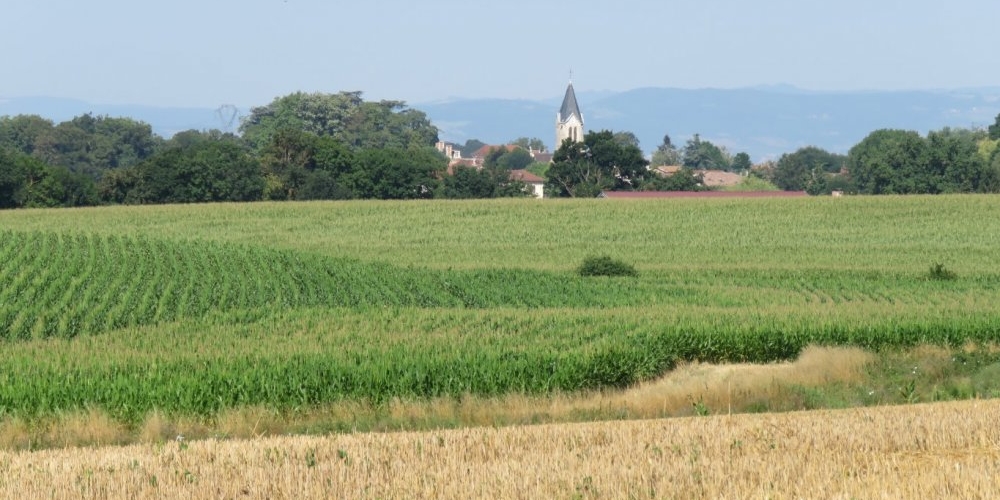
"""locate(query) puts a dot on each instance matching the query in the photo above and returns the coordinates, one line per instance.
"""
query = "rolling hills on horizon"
(763, 121)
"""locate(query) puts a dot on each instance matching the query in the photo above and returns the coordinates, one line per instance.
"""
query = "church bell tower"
(569, 120)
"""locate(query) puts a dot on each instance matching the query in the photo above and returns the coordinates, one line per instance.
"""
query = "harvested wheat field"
(949, 450)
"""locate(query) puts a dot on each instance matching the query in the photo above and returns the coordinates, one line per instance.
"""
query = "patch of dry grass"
(722, 388)
(948, 450)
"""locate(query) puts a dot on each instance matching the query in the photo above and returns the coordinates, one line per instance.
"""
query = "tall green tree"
(471, 182)
(388, 124)
(94, 144)
(191, 138)
(891, 162)
(28, 182)
(344, 116)
(329, 172)
(600, 162)
(994, 130)
(684, 179)
(991, 180)
(794, 171)
(299, 165)
(21, 132)
(903, 162)
(508, 158)
(467, 182)
(207, 172)
(954, 160)
(741, 162)
(703, 155)
(120, 187)
(397, 174)
(11, 178)
(626, 138)
(666, 153)
(316, 113)
(286, 161)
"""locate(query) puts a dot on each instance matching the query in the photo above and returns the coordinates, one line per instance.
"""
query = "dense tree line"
(43, 164)
(299, 147)
(338, 146)
(26, 181)
(897, 162)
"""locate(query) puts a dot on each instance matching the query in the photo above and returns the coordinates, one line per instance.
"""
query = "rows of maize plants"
(317, 356)
(196, 309)
(64, 285)
(879, 234)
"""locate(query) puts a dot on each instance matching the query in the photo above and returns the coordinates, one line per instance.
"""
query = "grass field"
(946, 450)
(195, 311)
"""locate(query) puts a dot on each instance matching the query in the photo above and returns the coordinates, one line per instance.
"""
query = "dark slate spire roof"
(570, 106)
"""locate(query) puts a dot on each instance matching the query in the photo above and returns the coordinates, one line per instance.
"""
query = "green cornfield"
(195, 309)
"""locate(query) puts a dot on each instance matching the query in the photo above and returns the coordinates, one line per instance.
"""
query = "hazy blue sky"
(246, 52)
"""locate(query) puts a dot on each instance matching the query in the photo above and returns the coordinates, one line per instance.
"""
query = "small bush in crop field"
(606, 266)
(939, 272)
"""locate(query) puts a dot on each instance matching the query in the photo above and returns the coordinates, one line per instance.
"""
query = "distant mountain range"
(762, 121)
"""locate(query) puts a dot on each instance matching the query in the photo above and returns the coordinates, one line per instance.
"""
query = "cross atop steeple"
(569, 119)
(570, 107)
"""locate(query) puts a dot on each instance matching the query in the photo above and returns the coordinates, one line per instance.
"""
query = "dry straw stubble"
(947, 450)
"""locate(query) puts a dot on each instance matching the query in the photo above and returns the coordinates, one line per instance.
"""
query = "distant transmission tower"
(228, 115)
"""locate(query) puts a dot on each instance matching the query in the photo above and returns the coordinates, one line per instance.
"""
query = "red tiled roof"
(525, 176)
(485, 150)
(542, 157)
(717, 178)
(701, 194)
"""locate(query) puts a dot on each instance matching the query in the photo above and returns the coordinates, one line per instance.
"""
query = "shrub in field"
(606, 266)
(941, 273)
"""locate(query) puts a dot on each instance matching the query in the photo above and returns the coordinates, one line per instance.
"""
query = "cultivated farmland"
(949, 450)
(193, 311)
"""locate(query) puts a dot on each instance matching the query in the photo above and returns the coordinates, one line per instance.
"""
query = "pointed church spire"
(570, 107)
(569, 120)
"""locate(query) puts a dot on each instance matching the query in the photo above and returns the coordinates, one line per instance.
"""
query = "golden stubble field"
(949, 450)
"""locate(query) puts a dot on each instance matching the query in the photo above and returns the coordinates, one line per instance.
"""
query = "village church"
(569, 125)
(569, 119)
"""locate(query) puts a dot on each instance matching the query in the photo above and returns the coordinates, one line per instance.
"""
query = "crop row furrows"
(501, 354)
(83, 273)
(139, 291)
(187, 271)
(271, 283)
(172, 263)
(202, 283)
(212, 289)
(260, 291)
(153, 282)
(100, 280)
(52, 303)
(28, 266)
(226, 290)
(285, 291)
(123, 265)
(33, 299)
(13, 256)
